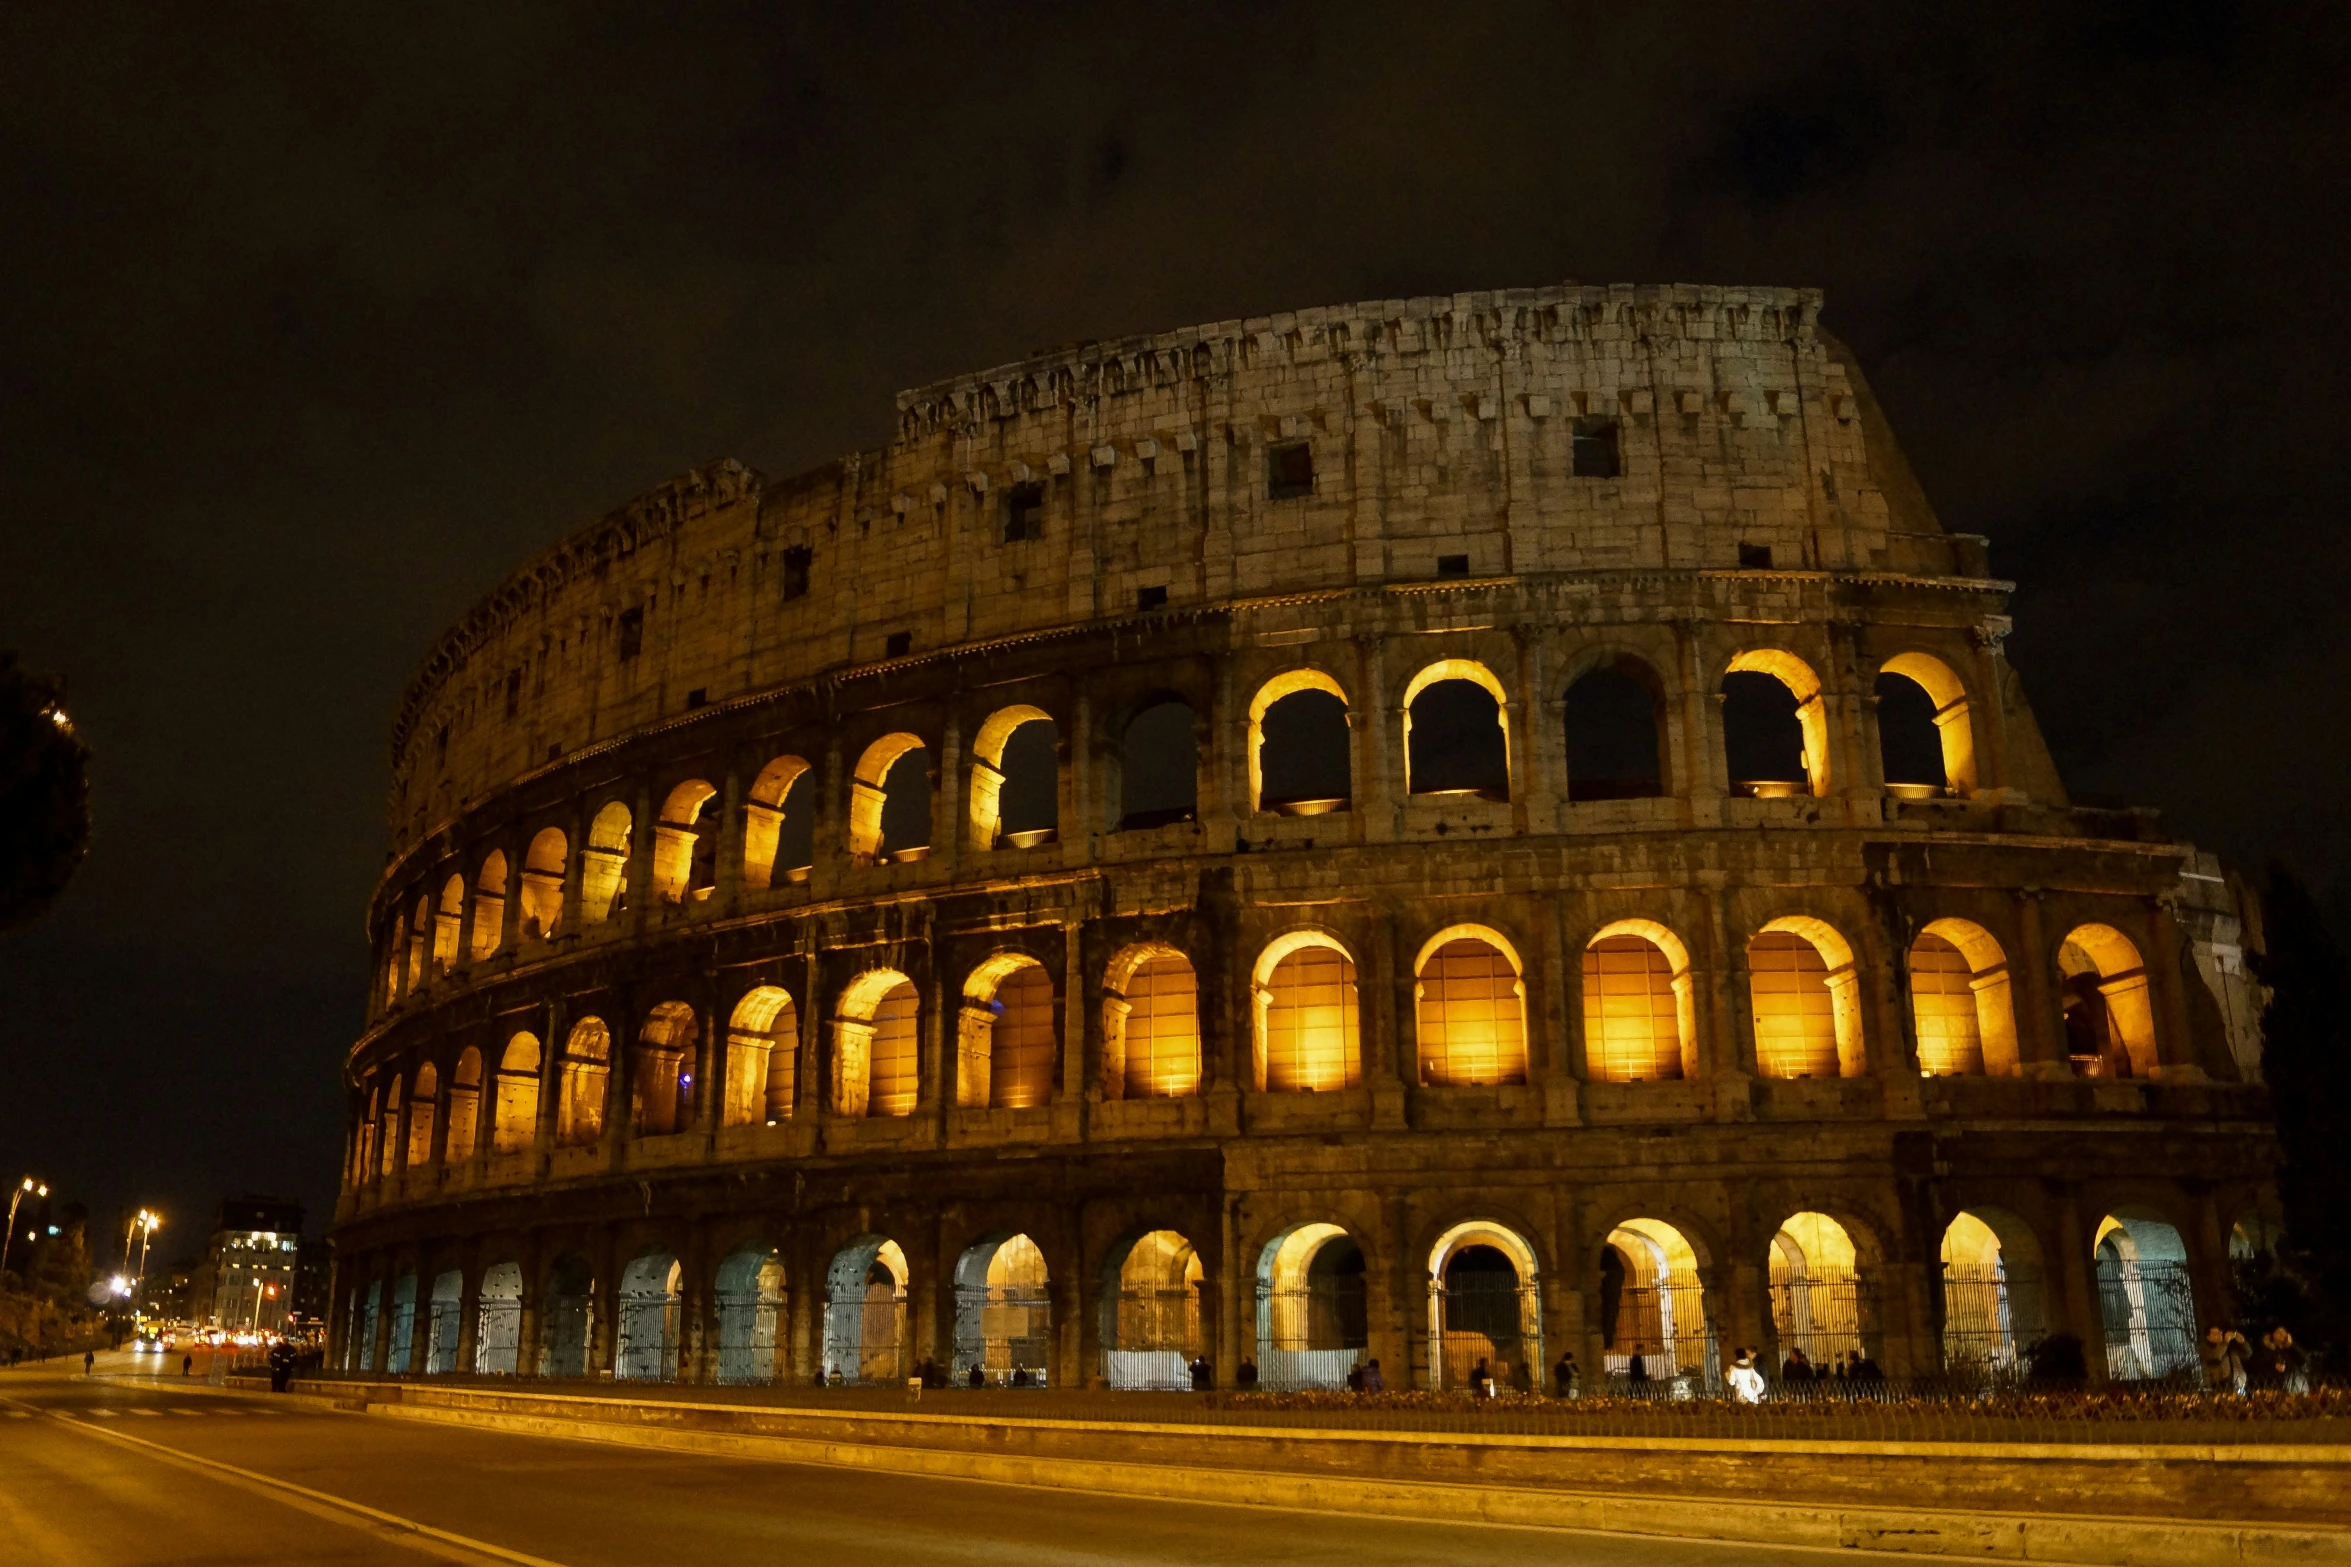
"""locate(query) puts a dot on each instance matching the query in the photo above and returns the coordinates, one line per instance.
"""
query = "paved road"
(91, 1475)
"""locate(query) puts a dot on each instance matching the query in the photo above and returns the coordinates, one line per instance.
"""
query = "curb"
(2085, 1539)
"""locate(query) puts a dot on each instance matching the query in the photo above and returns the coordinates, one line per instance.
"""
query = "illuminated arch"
(1308, 1026)
(1151, 1327)
(489, 905)
(1653, 1303)
(1003, 1312)
(1816, 1298)
(1474, 673)
(1805, 999)
(1005, 1034)
(542, 884)
(1469, 996)
(763, 820)
(2109, 1012)
(1151, 1023)
(682, 844)
(867, 795)
(1289, 683)
(1961, 1002)
(1953, 727)
(586, 1067)
(2146, 1302)
(1811, 710)
(865, 1312)
(1313, 1317)
(763, 1035)
(448, 925)
(603, 875)
(1992, 1291)
(874, 1045)
(1640, 1009)
(388, 1130)
(423, 1101)
(987, 768)
(464, 1113)
(1485, 1306)
(661, 1077)
(515, 1118)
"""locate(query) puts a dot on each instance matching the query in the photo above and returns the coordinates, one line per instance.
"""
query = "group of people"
(930, 1374)
(1851, 1366)
(2231, 1365)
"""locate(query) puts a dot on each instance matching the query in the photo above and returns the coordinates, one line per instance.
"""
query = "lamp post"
(28, 1184)
(145, 1224)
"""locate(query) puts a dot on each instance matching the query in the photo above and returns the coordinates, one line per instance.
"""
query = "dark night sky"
(315, 320)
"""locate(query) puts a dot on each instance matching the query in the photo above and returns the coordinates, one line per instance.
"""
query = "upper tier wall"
(1438, 427)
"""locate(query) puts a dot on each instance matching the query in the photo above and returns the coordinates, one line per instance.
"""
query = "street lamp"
(27, 1185)
(143, 1225)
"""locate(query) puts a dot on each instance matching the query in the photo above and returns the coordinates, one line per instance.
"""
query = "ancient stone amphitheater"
(1433, 830)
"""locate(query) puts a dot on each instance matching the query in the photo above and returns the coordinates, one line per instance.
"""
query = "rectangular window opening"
(1151, 598)
(1289, 470)
(698, 697)
(1024, 513)
(632, 631)
(1755, 557)
(898, 644)
(1452, 565)
(1595, 449)
(796, 571)
(513, 693)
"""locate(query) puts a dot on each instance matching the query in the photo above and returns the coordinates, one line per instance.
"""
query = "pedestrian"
(1565, 1376)
(2284, 1361)
(1355, 1378)
(1244, 1374)
(1481, 1380)
(187, 1365)
(1636, 1370)
(89, 1361)
(2212, 1351)
(1796, 1368)
(2236, 1358)
(976, 1377)
(1373, 1380)
(1746, 1382)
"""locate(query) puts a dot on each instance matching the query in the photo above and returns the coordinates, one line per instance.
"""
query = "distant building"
(314, 1270)
(247, 1278)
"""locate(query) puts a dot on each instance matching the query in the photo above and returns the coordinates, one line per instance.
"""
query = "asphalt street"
(103, 1471)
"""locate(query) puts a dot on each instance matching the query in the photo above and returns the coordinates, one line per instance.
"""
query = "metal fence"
(2149, 1313)
(1004, 1332)
(1311, 1336)
(1828, 1314)
(1150, 1339)
(1487, 1320)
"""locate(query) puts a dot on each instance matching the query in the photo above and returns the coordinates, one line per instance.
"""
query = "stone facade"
(1509, 491)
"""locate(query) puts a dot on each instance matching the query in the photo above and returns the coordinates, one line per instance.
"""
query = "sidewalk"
(2148, 1505)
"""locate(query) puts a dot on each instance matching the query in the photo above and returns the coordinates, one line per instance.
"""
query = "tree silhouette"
(44, 794)
(2306, 1056)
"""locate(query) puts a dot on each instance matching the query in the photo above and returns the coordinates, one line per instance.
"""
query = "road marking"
(106, 1414)
(422, 1536)
(191, 1411)
(152, 1414)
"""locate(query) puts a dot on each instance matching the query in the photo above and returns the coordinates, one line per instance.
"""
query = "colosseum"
(1430, 831)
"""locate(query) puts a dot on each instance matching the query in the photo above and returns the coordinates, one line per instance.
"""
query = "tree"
(44, 794)
(2306, 1056)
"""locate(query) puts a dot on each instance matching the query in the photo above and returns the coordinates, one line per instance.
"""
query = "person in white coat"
(1746, 1382)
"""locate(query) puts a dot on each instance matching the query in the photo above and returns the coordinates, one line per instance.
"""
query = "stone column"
(603, 1319)
(2040, 1035)
(2077, 1287)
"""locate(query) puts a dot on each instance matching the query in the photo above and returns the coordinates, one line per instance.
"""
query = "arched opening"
(1805, 999)
(418, 922)
(395, 945)
(1003, 1314)
(646, 1348)
(516, 1115)
(441, 1329)
(563, 1327)
(1992, 1282)
(874, 1045)
(587, 1065)
(422, 1101)
(1653, 1309)
(1308, 1022)
(1775, 726)
(1817, 1309)
(1016, 780)
(1159, 768)
(1151, 1315)
(1313, 1315)
(1640, 1017)
(489, 906)
(763, 1037)
(1151, 1024)
(366, 1312)
(685, 844)
(604, 871)
(750, 1298)
(1299, 746)
(2109, 1016)
(1470, 1008)
(449, 925)
(542, 885)
(1925, 737)
(1456, 732)
(779, 824)
(465, 1099)
(661, 1088)
(865, 1312)
(1485, 1308)
(890, 801)
(497, 1323)
(397, 1353)
(388, 1148)
(1615, 743)
(1960, 1002)
(1004, 1035)
(2145, 1302)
